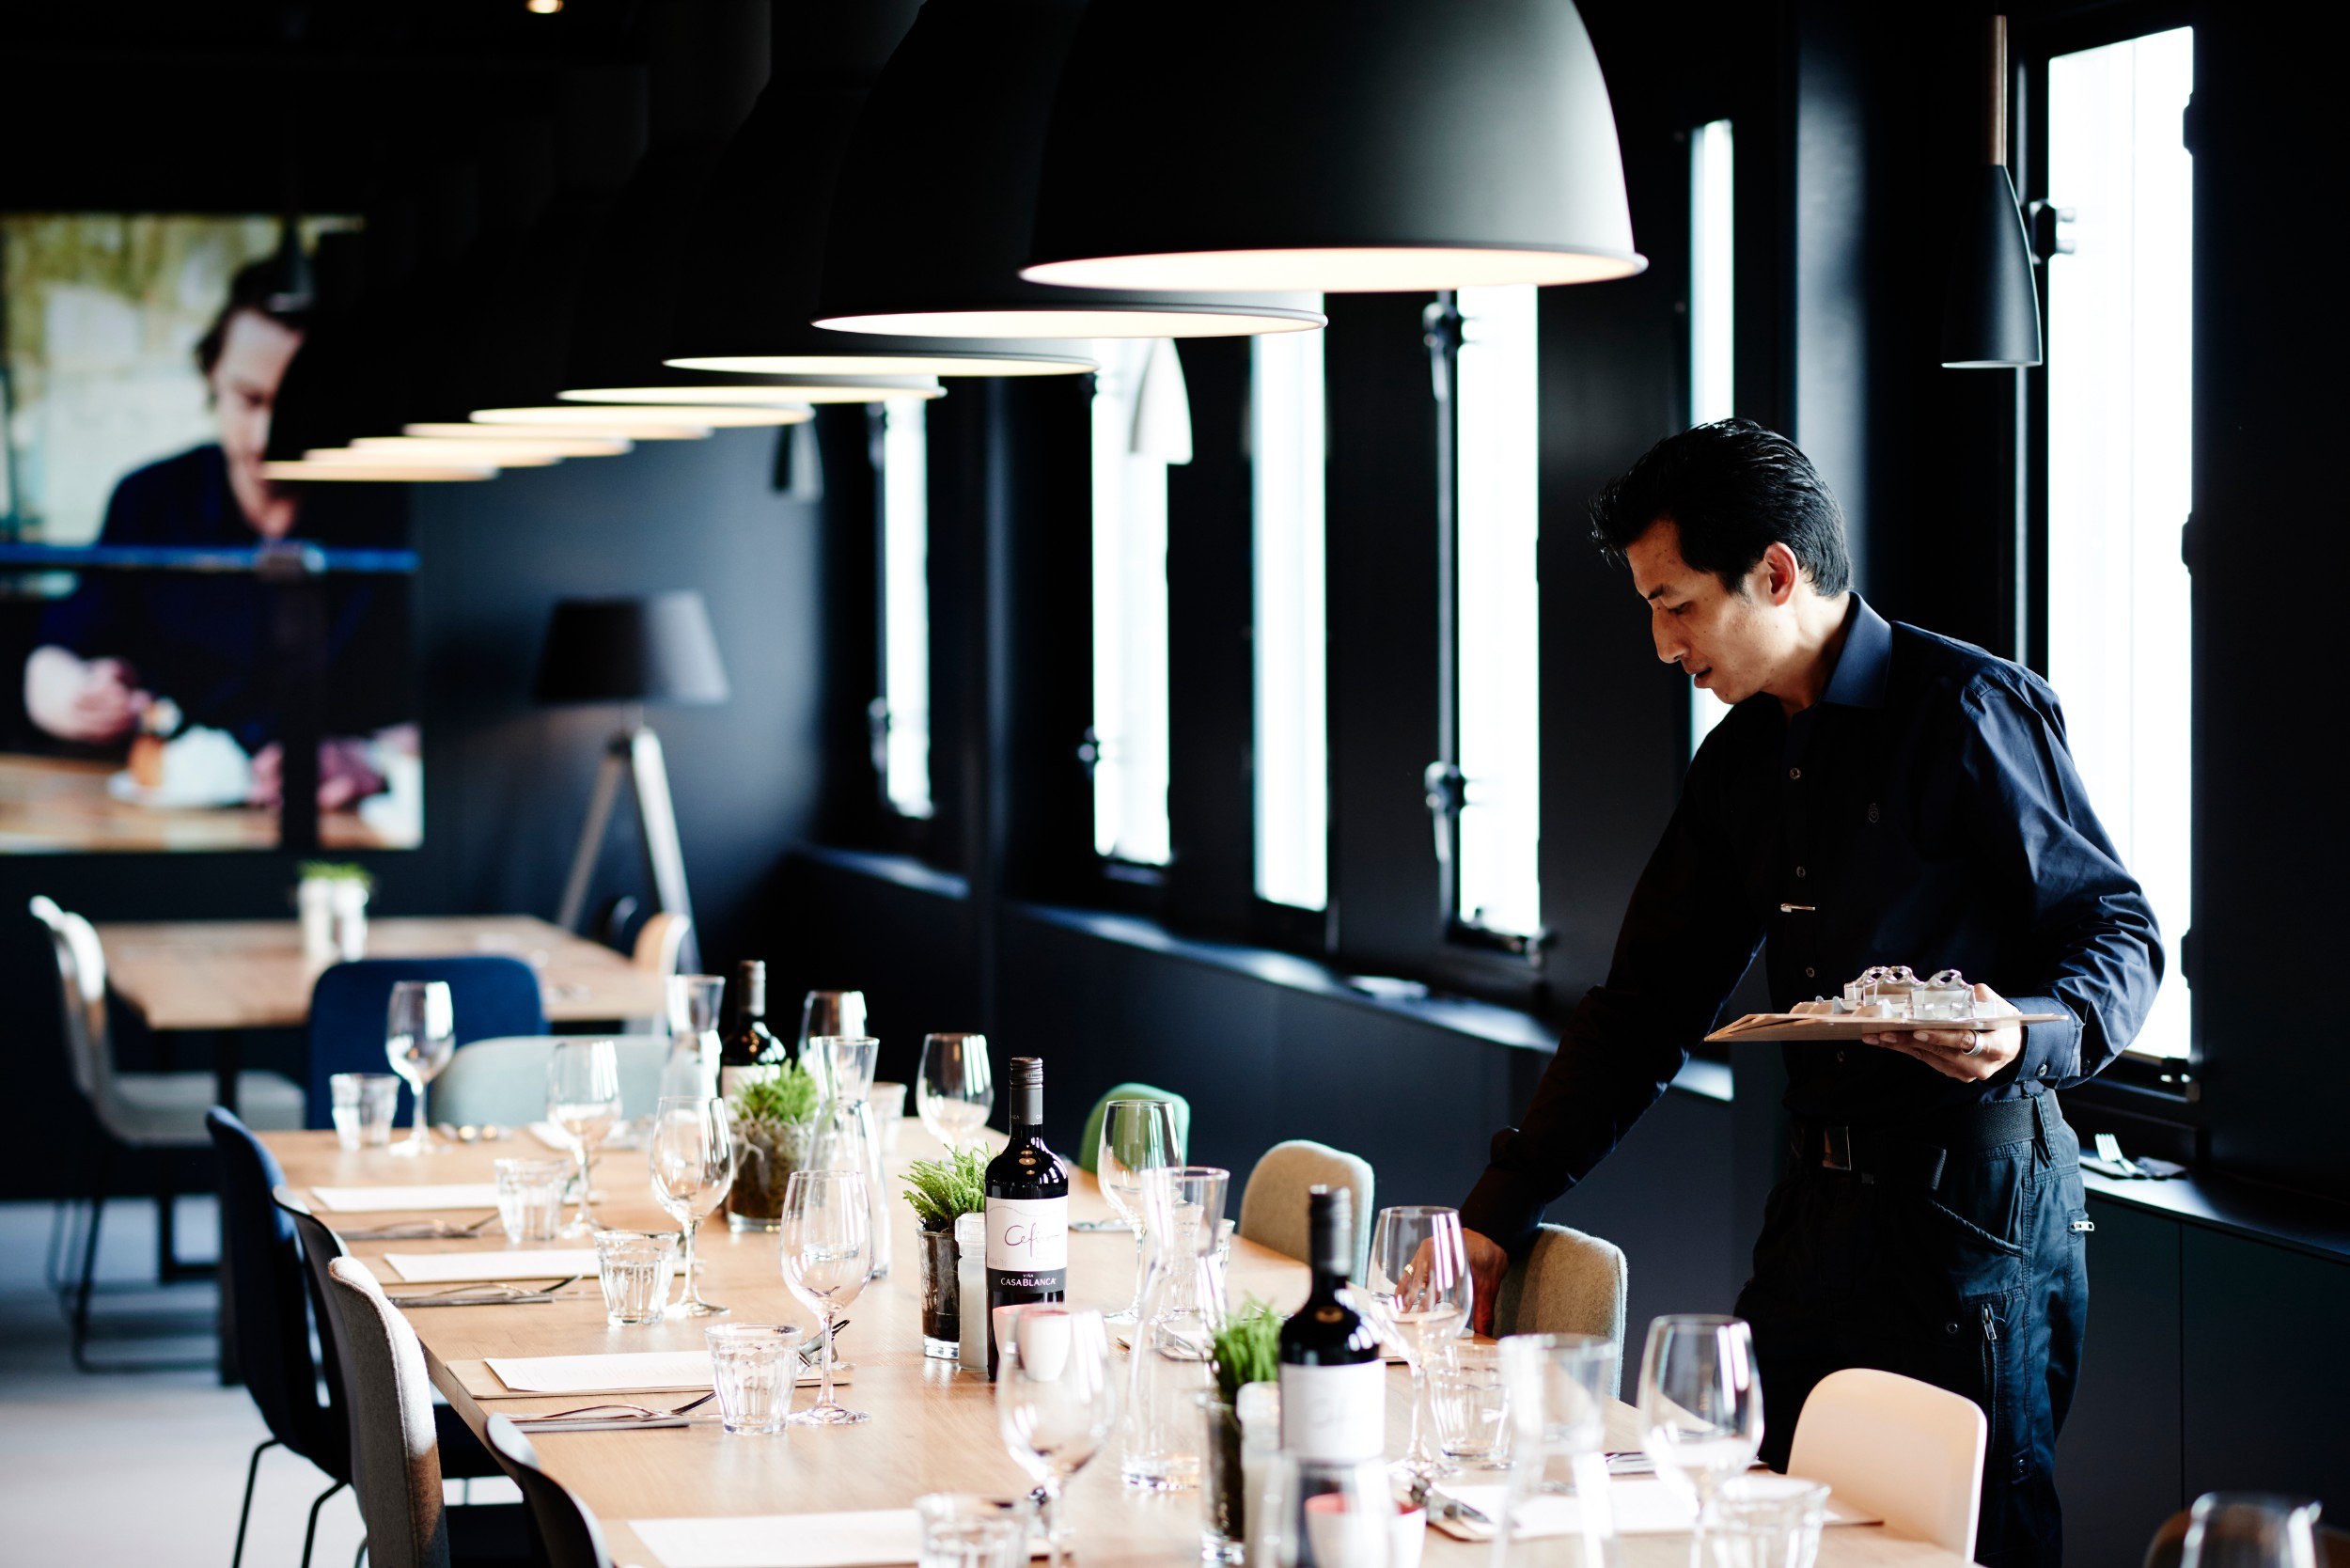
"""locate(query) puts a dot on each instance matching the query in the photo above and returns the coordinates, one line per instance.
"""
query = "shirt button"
(2043, 1069)
(1810, 973)
(1800, 871)
(1794, 773)
(1840, 1056)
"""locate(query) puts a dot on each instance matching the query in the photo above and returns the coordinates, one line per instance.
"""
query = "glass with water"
(754, 1367)
(364, 1104)
(635, 1269)
(962, 1531)
(530, 1198)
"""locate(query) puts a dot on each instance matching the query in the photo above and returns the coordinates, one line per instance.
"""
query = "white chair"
(1272, 1204)
(659, 941)
(1568, 1283)
(1907, 1451)
(505, 1080)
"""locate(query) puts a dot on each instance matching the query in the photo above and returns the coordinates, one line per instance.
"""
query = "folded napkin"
(1642, 1507)
(879, 1538)
(634, 1372)
(411, 1198)
(449, 1268)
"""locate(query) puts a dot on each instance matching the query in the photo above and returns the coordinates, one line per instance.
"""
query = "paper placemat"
(451, 1268)
(481, 1380)
(618, 1372)
(875, 1539)
(1642, 1506)
(411, 1198)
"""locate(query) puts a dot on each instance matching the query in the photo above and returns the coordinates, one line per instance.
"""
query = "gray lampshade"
(1991, 313)
(1338, 145)
(654, 648)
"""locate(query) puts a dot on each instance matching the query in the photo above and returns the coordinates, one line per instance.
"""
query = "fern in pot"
(1243, 1419)
(774, 1122)
(942, 1192)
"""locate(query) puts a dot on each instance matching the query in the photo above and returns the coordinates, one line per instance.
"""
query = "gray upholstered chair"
(1567, 1283)
(504, 1081)
(1273, 1205)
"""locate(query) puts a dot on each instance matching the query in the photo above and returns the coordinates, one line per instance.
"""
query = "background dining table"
(934, 1427)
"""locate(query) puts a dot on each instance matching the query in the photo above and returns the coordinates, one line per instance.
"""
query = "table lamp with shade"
(632, 651)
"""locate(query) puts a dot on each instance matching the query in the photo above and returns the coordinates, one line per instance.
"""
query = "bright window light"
(904, 474)
(1293, 735)
(1499, 620)
(1712, 296)
(2119, 401)
(1141, 424)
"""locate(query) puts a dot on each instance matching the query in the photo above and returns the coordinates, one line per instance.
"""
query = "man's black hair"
(1733, 490)
(254, 287)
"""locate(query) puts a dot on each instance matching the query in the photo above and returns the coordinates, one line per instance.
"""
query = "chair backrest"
(320, 1248)
(263, 1264)
(1090, 1148)
(81, 993)
(504, 1081)
(396, 1467)
(1273, 1205)
(1567, 1283)
(492, 993)
(1905, 1451)
(659, 940)
(567, 1533)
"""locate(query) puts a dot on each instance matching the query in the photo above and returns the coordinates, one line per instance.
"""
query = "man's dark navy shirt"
(1924, 811)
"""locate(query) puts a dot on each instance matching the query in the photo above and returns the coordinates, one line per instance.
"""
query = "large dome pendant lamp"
(1991, 313)
(1400, 145)
(936, 197)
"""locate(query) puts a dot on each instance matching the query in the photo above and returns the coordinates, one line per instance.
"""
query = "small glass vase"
(942, 1300)
(771, 1151)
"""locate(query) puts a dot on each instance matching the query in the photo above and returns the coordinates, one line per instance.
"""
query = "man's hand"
(91, 701)
(1487, 1264)
(1966, 1055)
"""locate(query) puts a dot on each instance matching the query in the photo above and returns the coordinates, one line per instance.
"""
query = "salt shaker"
(971, 1288)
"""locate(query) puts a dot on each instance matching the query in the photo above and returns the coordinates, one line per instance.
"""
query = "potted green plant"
(1245, 1353)
(775, 1120)
(942, 1192)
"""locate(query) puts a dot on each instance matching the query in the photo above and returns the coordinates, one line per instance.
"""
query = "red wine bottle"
(748, 1049)
(1334, 1383)
(1028, 1209)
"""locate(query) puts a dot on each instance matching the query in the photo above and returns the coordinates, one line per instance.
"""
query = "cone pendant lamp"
(1991, 313)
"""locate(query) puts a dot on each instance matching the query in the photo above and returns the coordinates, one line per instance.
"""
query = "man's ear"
(1780, 573)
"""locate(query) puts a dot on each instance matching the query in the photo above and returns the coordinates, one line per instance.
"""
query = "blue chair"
(492, 995)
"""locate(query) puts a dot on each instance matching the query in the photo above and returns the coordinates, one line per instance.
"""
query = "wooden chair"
(659, 941)
(1567, 1283)
(568, 1532)
(1273, 1205)
(1903, 1449)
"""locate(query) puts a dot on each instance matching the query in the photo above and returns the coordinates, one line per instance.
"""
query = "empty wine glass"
(419, 1036)
(827, 1258)
(1419, 1292)
(1136, 1136)
(691, 1151)
(583, 1102)
(954, 1093)
(829, 1012)
(1055, 1404)
(2251, 1530)
(1700, 1411)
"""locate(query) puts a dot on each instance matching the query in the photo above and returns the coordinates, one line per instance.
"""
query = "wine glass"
(1701, 1409)
(692, 1151)
(419, 1036)
(1420, 1291)
(827, 1258)
(2251, 1530)
(1136, 1136)
(953, 1093)
(583, 1102)
(830, 1012)
(1055, 1404)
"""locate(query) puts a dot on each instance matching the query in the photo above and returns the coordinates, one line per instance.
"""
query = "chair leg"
(244, 1514)
(361, 1555)
(167, 1247)
(310, 1535)
(82, 1287)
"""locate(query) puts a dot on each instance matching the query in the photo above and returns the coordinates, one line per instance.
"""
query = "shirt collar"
(1861, 669)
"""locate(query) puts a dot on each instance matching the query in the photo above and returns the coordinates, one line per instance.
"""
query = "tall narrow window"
(1141, 424)
(2119, 405)
(902, 716)
(1712, 294)
(1292, 740)
(1499, 679)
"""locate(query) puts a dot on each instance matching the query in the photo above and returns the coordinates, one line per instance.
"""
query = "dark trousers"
(1962, 1267)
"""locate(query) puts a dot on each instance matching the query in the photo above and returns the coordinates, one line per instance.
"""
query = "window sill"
(903, 870)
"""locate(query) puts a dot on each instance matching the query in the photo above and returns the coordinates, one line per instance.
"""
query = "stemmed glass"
(1055, 1404)
(419, 1036)
(2251, 1530)
(583, 1102)
(829, 1012)
(1701, 1409)
(1420, 1291)
(1136, 1136)
(953, 1093)
(692, 1151)
(827, 1258)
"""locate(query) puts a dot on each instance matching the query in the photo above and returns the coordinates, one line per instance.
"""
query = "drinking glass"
(635, 1269)
(364, 1107)
(692, 1066)
(691, 1151)
(530, 1198)
(827, 1258)
(2251, 1530)
(419, 1035)
(846, 1137)
(1470, 1400)
(1183, 1305)
(583, 1102)
(1326, 1515)
(1767, 1521)
(954, 1093)
(1420, 1292)
(1055, 1404)
(962, 1531)
(1700, 1411)
(754, 1367)
(829, 1012)
(1136, 1136)
(1560, 1387)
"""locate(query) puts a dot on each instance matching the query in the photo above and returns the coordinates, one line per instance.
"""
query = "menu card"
(448, 1268)
(404, 1200)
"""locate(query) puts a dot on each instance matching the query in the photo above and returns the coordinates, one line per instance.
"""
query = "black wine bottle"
(1334, 1386)
(1028, 1209)
(748, 1049)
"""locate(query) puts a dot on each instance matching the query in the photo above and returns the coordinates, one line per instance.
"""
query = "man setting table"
(1879, 794)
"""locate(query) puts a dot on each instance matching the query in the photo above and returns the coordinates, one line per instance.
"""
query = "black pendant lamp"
(1991, 312)
(1398, 144)
(937, 197)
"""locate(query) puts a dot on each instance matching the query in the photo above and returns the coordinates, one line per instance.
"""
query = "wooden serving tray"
(1825, 1027)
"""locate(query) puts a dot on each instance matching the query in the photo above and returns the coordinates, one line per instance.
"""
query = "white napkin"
(880, 1537)
(448, 1268)
(404, 1200)
(1642, 1506)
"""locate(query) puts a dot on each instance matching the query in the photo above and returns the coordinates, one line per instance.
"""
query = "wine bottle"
(748, 1050)
(1028, 1209)
(1334, 1386)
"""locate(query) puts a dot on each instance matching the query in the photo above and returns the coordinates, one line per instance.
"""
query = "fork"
(483, 1294)
(598, 1412)
(436, 1230)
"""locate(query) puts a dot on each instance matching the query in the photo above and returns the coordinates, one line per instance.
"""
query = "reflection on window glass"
(1141, 424)
(1711, 338)
(2118, 440)
(1293, 753)
(905, 607)
(1500, 641)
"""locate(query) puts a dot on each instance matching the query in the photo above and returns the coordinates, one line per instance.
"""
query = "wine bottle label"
(1335, 1413)
(1028, 1237)
(732, 1078)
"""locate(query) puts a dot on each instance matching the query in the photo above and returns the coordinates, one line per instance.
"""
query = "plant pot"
(1223, 1485)
(771, 1151)
(942, 1301)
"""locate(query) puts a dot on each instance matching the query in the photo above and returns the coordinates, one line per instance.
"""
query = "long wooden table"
(932, 1428)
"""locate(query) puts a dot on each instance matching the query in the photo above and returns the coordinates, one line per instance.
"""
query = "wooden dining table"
(932, 1426)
